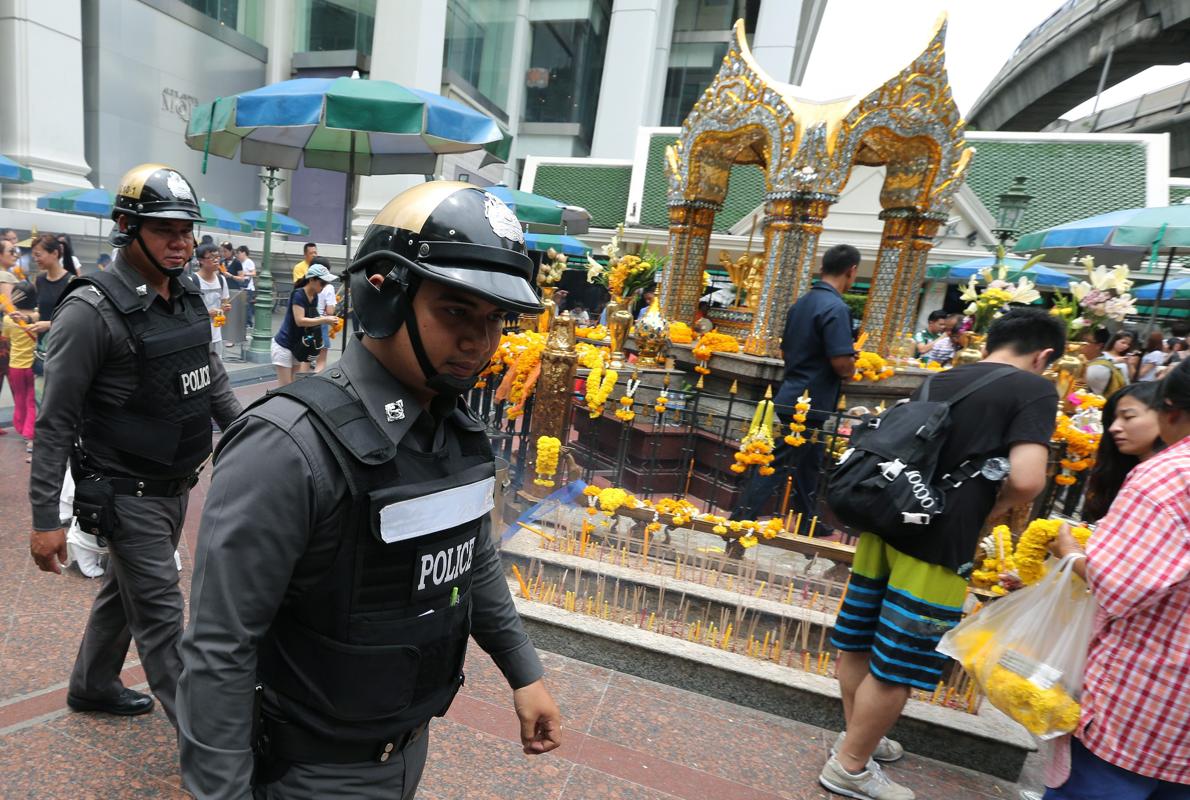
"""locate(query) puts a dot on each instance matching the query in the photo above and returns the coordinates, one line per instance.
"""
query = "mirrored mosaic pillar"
(792, 225)
(689, 240)
(896, 281)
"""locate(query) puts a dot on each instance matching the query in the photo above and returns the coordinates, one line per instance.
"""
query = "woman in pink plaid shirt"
(1133, 740)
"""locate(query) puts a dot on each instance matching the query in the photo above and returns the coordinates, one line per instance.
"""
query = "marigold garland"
(548, 450)
(599, 387)
(1081, 446)
(998, 559)
(797, 425)
(756, 448)
(524, 373)
(590, 356)
(597, 332)
(870, 366)
(625, 413)
(712, 342)
(1031, 550)
(680, 333)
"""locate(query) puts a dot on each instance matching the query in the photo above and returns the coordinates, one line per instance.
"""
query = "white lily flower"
(971, 292)
(1080, 289)
(1119, 279)
(970, 310)
(594, 269)
(1024, 291)
(1088, 263)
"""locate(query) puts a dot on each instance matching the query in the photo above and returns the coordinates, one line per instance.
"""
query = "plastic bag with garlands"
(1027, 651)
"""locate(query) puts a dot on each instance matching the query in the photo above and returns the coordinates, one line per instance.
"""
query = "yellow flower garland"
(870, 366)
(548, 450)
(756, 448)
(1081, 447)
(599, 387)
(1031, 550)
(798, 426)
(998, 559)
(712, 342)
(680, 333)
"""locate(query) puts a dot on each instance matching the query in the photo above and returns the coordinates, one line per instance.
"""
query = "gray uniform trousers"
(139, 599)
(396, 779)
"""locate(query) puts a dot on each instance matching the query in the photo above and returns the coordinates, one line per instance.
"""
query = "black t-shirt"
(48, 294)
(1017, 408)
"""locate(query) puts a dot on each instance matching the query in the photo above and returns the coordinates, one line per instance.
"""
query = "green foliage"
(856, 303)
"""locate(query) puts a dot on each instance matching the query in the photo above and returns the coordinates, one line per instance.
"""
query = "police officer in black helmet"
(130, 410)
(333, 599)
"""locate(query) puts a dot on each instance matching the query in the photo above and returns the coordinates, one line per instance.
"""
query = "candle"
(540, 533)
(813, 524)
(806, 660)
(521, 581)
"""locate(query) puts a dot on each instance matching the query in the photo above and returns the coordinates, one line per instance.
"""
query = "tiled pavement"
(624, 737)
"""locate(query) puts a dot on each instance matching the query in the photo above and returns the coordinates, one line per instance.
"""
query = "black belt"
(290, 742)
(143, 487)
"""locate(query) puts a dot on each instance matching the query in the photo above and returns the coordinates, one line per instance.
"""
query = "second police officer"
(345, 553)
(128, 402)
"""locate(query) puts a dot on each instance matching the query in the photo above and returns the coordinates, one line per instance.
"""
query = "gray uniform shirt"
(275, 504)
(91, 356)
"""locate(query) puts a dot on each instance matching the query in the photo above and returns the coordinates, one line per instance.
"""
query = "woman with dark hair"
(1120, 351)
(69, 260)
(1131, 739)
(1152, 357)
(1129, 437)
(48, 254)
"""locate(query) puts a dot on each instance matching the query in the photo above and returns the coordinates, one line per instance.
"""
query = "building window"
(479, 45)
(565, 69)
(322, 25)
(243, 16)
(715, 15)
(692, 67)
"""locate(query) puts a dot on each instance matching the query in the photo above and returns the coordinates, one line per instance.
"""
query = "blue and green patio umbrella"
(218, 217)
(354, 126)
(83, 202)
(281, 223)
(12, 172)
(1157, 230)
(569, 245)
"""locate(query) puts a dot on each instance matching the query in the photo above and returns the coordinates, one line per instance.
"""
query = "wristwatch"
(995, 469)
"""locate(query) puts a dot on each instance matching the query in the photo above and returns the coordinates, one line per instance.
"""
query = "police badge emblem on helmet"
(501, 218)
(178, 186)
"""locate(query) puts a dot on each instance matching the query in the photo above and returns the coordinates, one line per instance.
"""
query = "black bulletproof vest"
(376, 645)
(163, 431)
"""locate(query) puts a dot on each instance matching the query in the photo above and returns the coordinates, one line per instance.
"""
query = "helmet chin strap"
(442, 385)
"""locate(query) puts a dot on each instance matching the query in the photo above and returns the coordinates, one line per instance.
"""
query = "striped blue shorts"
(898, 607)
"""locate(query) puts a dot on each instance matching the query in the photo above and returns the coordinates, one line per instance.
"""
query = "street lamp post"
(262, 333)
(1008, 217)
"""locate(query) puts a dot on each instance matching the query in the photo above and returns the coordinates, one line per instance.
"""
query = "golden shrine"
(806, 149)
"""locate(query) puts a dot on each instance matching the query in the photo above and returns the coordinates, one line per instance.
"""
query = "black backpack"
(885, 482)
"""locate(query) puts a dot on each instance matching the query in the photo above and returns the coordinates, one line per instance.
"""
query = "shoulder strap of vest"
(344, 417)
(114, 289)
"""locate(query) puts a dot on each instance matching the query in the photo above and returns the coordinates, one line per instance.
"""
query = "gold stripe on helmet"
(134, 179)
(410, 209)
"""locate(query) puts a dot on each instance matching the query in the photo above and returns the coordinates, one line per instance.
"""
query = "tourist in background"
(1122, 350)
(248, 277)
(1130, 437)
(327, 302)
(1103, 376)
(309, 253)
(903, 595)
(69, 260)
(936, 327)
(48, 254)
(290, 350)
(1131, 742)
(819, 355)
(216, 296)
(1152, 358)
(7, 281)
(21, 344)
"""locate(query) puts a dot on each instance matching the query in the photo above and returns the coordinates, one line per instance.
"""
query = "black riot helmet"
(446, 231)
(152, 191)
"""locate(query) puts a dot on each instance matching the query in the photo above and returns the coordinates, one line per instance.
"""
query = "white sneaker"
(888, 749)
(871, 784)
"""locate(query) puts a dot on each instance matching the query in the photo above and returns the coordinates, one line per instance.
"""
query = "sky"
(862, 43)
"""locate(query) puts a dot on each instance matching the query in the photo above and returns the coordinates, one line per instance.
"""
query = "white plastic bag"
(1027, 651)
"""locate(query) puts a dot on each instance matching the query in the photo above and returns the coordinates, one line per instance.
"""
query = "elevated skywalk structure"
(1060, 63)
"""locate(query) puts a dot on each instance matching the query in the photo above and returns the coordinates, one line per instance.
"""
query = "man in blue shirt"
(819, 354)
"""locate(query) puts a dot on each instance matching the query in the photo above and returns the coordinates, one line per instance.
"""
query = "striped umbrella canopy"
(569, 245)
(962, 271)
(1166, 226)
(364, 127)
(536, 209)
(218, 217)
(12, 172)
(83, 202)
(281, 223)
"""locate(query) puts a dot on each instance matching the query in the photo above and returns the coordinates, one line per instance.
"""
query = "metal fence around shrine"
(687, 450)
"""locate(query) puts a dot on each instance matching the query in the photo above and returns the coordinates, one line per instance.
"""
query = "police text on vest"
(443, 566)
(195, 380)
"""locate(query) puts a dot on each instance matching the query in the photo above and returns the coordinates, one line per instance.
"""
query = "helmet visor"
(510, 292)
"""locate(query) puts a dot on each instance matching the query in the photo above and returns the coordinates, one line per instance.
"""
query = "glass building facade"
(322, 25)
(243, 16)
(478, 47)
(566, 65)
(701, 38)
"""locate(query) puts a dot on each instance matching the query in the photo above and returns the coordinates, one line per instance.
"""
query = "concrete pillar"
(624, 97)
(279, 20)
(407, 48)
(522, 43)
(41, 70)
(660, 69)
(774, 44)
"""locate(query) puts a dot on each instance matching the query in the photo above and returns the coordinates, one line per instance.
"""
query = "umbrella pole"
(1161, 289)
(262, 332)
(347, 212)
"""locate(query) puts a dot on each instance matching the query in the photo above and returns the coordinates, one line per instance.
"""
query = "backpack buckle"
(953, 483)
(891, 470)
(914, 518)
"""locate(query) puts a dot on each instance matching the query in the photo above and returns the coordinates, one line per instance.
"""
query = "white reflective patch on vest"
(439, 511)
(194, 381)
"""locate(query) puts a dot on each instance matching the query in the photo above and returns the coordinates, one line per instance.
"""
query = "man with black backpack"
(971, 444)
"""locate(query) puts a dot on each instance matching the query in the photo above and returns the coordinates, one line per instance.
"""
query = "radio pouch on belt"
(95, 507)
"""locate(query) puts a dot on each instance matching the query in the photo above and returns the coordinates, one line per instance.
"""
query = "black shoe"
(127, 703)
